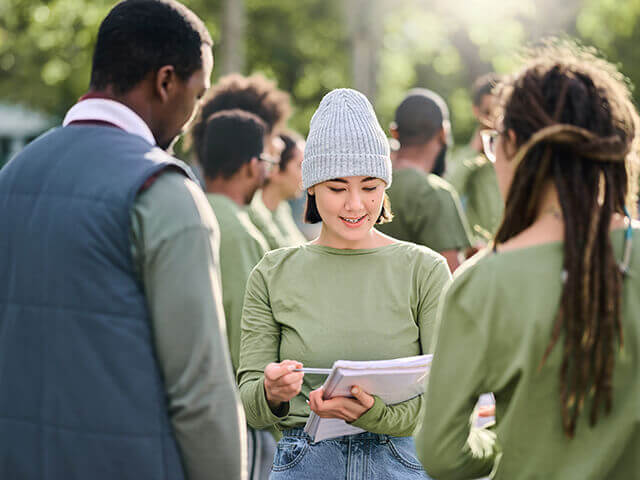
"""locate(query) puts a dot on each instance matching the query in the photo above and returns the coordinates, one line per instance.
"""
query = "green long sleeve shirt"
(427, 211)
(278, 227)
(474, 178)
(494, 324)
(241, 248)
(174, 243)
(317, 304)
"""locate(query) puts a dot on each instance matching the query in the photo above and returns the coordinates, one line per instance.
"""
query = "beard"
(440, 164)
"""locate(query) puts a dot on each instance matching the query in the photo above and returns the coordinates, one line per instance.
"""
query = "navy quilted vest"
(81, 394)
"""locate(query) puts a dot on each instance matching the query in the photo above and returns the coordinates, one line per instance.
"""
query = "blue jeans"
(363, 456)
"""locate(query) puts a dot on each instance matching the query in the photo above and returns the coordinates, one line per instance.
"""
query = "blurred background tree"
(382, 47)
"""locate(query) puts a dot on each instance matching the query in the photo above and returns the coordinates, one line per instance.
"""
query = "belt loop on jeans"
(383, 439)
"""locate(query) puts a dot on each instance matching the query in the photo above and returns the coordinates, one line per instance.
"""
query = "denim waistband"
(379, 437)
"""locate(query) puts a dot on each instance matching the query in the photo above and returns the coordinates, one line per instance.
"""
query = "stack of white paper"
(394, 381)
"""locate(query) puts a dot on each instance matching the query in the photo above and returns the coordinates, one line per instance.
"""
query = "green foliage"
(45, 46)
(613, 26)
(303, 45)
(45, 50)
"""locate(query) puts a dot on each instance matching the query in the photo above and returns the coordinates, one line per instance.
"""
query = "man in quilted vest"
(113, 356)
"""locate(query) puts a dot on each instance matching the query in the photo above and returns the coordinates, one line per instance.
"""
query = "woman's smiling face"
(349, 206)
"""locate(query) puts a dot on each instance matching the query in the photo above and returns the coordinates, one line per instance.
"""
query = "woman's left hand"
(344, 408)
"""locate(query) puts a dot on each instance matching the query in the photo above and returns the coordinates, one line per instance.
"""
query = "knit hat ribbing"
(345, 139)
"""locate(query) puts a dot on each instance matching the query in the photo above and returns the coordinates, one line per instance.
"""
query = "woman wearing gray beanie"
(352, 294)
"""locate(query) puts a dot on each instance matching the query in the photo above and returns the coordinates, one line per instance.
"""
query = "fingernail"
(291, 367)
(355, 390)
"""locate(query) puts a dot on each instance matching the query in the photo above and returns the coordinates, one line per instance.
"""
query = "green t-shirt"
(241, 248)
(474, 178)
(427, 211)
(494, 323)
(278, 228)
(318, 304)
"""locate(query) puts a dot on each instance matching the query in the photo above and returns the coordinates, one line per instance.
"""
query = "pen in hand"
(316, 371)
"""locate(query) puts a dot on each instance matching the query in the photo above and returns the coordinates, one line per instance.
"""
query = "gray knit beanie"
(345, 139)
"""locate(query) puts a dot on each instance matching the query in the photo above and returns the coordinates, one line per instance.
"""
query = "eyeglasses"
(489, 140)
(269, 160)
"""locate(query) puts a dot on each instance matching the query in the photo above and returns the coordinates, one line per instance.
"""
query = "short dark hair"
(482, 86)
(312, 215)
(420, 116)
(231, 139)
(291, 141)
(142, 36)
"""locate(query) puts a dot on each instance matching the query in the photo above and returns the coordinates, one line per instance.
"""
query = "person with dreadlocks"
(548, 318)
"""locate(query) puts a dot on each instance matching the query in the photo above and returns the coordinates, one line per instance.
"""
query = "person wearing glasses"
(426, 208)
(472, 174)
(230, 153)
(234, 166)
(547, 319)
(269, 210)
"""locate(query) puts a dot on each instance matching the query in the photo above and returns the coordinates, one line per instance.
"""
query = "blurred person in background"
(426, 208)
(548, 318)
(269, 210)
(229, 148)
(260, 96)
(113, 361)
(471, 172)
(254, 94)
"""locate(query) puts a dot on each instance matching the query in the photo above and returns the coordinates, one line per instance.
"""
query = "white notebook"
(394, 381)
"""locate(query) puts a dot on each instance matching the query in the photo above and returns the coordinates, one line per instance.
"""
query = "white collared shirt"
(104, 110)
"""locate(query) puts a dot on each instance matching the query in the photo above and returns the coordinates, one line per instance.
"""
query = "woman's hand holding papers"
(344, 408)
(281, 383)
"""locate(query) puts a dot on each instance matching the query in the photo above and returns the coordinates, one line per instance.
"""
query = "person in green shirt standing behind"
(473, 175)
(548, 320)
(353, 293)
(269, 209)
(256, 94)
(426, 208)
(229, 149)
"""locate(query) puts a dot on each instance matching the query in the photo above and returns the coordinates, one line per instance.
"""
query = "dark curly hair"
(255, 94)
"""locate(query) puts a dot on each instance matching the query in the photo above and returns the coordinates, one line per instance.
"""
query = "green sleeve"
(174, 239)
(402, 419)
(439, 221)
(459, 176)
(448, 447)
(263, 223)
(259, 346)
(240, 251)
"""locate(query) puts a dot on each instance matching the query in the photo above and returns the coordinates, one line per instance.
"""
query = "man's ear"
(512, 142)
(476, 113)
(165, 82)
(393, 129)
(442, 135)
(253, 167)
